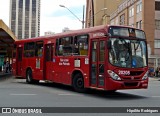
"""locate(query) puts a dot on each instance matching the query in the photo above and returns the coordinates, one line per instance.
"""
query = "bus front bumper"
(117, 85)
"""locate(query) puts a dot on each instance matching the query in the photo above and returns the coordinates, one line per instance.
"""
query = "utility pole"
(83, 18)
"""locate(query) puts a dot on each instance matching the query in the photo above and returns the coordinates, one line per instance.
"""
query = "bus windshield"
(128, 53)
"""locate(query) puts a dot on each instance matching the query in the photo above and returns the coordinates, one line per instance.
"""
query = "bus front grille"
(130, 84)
(135, 73)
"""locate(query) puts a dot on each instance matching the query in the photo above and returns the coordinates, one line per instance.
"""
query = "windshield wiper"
(125, 43)
(137, 45)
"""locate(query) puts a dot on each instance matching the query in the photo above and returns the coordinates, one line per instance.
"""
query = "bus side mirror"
(109, 44)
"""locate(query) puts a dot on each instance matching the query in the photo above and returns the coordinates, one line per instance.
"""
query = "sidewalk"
(154, 78)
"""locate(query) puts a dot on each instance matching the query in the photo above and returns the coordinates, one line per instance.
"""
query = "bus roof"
(74, 32)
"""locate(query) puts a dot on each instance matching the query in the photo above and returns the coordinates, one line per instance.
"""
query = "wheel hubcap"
(79, 83)
(28, 77)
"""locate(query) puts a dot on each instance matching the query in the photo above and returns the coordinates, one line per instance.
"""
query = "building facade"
(140, 14)
(65, 29)
(98, 11)
(25, 18)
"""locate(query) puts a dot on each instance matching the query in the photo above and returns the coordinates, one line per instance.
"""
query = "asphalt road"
(17, 93)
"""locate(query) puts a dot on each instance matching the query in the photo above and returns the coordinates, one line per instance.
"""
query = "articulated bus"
(104, 58)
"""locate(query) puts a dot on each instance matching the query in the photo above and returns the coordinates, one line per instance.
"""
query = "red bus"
(103, 57)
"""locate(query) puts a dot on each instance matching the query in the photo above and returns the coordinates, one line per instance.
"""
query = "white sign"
(64, 62)
(77, 63)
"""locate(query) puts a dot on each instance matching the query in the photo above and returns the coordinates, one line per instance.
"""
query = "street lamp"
(92, 17)
(74, 14)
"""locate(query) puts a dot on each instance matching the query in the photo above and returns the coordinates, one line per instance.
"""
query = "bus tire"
(111, 91)
(78, 83)
(29, 78)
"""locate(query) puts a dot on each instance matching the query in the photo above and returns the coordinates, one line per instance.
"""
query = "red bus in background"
(103, 57)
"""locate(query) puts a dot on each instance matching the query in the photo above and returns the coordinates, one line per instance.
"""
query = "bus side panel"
(67, 66)
(64, 67)
(49, 71)
(82, 68)
(29, 63)
(59, 75)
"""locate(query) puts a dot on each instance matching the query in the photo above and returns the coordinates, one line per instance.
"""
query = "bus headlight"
(113, 75)
(145, 76)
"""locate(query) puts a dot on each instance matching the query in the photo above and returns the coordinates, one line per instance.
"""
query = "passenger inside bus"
(84, 50)
(121, 53)
(40, 52)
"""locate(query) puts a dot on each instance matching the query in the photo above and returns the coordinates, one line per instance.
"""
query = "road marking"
(68, 94)
(22, 94)
(156, 96)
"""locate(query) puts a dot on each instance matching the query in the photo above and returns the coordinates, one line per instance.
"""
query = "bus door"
(39, 60)
(19, 61)
(49, 62)
(97, 62)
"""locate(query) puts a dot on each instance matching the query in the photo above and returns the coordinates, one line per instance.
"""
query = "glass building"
(25, 18)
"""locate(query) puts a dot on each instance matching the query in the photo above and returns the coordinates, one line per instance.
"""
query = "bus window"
(94, 53)
(64, 46)
(29, 49)
(81, 45)
(49, 52)
(39, 49)
(57, 47)
(102, 50)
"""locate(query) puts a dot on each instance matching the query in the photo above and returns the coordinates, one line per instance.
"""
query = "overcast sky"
(53, 17)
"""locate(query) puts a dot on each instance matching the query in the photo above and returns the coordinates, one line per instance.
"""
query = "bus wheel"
(29, 77)
(111, 91)
(78, 83)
